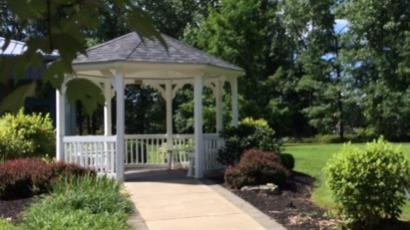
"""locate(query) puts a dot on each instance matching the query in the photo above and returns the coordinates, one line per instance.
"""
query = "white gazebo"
(129, 60)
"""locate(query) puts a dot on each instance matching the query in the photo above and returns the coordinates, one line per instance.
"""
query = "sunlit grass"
(311, 158)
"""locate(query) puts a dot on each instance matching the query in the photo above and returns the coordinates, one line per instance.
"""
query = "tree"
(379, 35)
(248, 33)
(61, 26)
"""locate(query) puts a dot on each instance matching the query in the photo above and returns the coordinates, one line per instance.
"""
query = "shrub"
(27, 177)
(368, 184)
(256, 167)
(26, 136)
(287, 160)
(6, 225)
(249, 134)
(23, 178)
(80, 203)
(67, 170)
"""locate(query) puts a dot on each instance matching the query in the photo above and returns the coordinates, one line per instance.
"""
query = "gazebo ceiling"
(148, 59)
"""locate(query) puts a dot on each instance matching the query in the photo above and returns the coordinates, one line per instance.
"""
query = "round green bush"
(23, 135)
(249, 134)
(287, 160)
(368, 184)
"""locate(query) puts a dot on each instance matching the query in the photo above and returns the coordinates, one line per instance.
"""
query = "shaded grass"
(311, 158)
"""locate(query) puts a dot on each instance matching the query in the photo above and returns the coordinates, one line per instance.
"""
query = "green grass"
(311, 158)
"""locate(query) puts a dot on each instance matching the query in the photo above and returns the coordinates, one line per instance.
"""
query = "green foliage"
(287, 160)
(255, 168)
(249, 134)
(80, 203)
(368, 184)
(51, 26)
(6, 225)
(24, 135)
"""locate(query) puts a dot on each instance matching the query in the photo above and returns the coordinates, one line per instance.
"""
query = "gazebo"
(131, 60)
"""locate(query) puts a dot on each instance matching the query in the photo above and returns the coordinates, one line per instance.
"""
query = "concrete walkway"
(179, 203)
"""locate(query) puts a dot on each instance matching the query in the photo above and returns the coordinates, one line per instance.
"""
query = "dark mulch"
(13, 208)
(292, 206)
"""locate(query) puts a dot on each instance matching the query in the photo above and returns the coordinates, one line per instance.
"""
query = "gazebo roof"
(130, 48)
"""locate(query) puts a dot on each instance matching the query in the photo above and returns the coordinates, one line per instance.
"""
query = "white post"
(119, 87)
(60, 122)
(234, 97)
(219, 105)
(198, 122)
(168, 100)
(107, 108)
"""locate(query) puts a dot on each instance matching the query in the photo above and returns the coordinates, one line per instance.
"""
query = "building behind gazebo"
(129, 60)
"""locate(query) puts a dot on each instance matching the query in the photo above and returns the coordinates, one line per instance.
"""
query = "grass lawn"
(311, 158)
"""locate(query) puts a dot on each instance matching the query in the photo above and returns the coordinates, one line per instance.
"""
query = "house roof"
(13, 48)
(131, 48)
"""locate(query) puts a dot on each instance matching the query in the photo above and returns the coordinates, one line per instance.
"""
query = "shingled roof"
(131, 48)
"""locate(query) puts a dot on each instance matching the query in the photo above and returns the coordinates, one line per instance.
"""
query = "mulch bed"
(292, 206)
(13, 208)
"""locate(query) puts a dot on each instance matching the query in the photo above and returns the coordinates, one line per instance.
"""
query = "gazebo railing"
(212, 143)
(97, 152)
(145, 150)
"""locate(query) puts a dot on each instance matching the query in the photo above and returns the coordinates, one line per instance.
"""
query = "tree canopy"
(312, 67)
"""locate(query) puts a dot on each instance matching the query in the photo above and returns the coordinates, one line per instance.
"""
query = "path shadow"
(176, 176)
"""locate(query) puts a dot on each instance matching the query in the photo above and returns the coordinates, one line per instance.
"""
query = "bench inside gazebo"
(129, 60)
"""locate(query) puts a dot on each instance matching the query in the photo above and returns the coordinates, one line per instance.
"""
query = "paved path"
(188, 204)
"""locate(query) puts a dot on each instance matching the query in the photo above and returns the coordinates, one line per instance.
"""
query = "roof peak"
(131, 47)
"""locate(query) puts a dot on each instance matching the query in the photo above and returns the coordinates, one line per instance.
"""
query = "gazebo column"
(107, 108)
(234, 98)
(198, 123)
(120, 129)
(60, 122)
(219, 105)
(168, 100)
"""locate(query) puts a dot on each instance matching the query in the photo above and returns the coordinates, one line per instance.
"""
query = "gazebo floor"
(160, 175)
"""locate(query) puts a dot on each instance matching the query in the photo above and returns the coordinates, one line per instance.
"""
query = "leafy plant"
(249, 134)
(287, 160)
(256, 167)
(368, 184)
(6, 225)
(27, 177)
(24, 135)
(93, 203)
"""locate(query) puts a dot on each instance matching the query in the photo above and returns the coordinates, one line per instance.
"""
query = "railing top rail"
(89, 138)
(141, 136)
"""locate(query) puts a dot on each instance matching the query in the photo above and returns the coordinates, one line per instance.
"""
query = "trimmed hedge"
(249, 134)
(368, 184)
(256, 167)
(27, 177)
(23, 135)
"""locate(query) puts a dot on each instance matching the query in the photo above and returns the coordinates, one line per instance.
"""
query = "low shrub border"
(87, 202)
(257, 167)
(27, 177)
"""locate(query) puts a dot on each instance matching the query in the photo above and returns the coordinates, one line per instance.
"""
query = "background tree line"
(311, 66)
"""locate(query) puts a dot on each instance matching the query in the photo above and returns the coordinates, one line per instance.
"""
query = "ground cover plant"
(368, 184)
(93, 203)
(312, 158)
